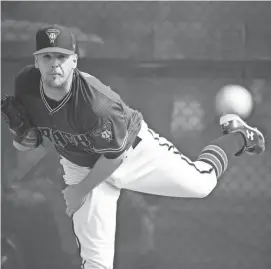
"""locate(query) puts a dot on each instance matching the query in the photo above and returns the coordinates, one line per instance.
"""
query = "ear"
(36, 61)
(74, 59)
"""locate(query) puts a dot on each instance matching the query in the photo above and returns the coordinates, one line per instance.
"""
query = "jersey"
(91, 120)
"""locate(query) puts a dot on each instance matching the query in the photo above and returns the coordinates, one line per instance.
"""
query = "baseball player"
(105, 146)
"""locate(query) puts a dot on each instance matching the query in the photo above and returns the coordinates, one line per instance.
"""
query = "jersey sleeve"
(111, 135)
(24, 81)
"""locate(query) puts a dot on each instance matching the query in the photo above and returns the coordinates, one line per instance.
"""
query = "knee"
(197, 186)
(203, 193)
(204, 180)
(206, 186)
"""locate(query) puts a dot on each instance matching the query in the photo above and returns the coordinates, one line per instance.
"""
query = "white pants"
(154, 167)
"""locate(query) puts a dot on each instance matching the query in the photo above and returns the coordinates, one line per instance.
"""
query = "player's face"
(55, 68)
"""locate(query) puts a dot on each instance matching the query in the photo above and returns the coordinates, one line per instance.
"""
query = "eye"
(46, 56)
(62, 56)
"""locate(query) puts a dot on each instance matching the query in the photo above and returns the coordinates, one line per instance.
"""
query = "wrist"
(82, 187)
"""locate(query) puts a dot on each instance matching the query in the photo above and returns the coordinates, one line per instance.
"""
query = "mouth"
(55, 75)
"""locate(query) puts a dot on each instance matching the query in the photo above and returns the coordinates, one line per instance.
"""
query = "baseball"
(234, 99)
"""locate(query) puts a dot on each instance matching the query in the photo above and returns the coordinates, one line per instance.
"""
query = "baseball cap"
(55, 38)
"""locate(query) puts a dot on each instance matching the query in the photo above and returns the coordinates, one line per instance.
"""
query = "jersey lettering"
(69, 138)
(59, 139)
(65, 139)
(82, 140)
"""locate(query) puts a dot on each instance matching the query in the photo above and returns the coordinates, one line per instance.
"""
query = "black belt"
(136, 142)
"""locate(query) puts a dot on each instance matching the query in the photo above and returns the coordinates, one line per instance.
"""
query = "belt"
(136, 142)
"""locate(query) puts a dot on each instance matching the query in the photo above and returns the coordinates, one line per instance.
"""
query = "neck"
(58, 93)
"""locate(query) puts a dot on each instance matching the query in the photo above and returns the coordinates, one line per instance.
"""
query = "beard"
(57, 82)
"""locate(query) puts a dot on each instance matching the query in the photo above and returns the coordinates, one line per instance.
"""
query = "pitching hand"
(73, 199)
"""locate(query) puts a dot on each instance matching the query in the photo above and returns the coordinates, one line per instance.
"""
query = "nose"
(55, 62)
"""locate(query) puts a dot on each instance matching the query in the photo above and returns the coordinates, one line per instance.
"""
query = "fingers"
(70, 211)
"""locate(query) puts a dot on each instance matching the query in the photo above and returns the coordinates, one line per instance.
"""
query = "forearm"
(100, 172)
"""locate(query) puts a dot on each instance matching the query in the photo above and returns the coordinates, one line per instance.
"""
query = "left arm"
(110, 140)
(75, 195)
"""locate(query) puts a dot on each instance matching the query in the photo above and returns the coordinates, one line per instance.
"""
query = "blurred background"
(167, 59)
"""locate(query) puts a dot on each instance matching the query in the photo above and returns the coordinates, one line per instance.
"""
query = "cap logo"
(52, 34)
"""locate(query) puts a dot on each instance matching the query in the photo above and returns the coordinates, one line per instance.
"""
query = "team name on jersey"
(64, 139)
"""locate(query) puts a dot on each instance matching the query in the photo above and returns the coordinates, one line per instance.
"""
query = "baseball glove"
(20, 125)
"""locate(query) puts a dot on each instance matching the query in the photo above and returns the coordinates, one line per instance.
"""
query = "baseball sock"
(222, 150)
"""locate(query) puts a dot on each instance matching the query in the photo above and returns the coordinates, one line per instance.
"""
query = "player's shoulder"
(28, 72)
(98, 87)
(27, 79)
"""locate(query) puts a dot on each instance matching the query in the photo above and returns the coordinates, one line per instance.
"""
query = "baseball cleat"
(254, 139)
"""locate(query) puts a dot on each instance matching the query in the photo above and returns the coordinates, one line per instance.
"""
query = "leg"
(155, 166)
(162, 170)
(95, 222)
(95, 225)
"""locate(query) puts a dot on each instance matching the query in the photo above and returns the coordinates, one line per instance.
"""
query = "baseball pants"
(154, 166)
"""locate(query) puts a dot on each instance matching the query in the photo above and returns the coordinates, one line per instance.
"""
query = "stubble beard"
(57, 83)
(57, 88)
